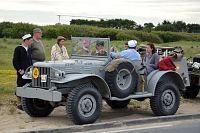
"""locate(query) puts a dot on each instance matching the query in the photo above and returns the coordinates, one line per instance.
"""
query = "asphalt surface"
(181, 126)
(88, 127)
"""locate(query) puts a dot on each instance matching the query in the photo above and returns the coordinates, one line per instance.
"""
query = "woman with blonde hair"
(58, 51)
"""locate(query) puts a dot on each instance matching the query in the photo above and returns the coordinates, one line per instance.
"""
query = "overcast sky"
(44, 12)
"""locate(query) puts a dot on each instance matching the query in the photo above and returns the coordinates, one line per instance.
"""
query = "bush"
(50, 33)
(168, 36)
(17, 30)
(122, 36)
(153, 38)
(4, 39)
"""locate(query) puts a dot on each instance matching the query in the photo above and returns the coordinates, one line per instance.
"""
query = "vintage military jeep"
(81, 82)
(194, 75)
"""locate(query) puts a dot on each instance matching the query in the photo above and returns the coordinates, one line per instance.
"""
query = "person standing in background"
(126, 46)
(58, 51)
(21, 61)
(37, 48)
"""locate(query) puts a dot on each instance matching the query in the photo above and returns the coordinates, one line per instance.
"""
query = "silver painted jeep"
(81, 82)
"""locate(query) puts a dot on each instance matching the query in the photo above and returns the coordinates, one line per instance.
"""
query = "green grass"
(7, 47)
(8, 74)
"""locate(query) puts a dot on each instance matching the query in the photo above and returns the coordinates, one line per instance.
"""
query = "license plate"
(43, 78)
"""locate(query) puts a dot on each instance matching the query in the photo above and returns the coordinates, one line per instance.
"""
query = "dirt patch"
(13, 121)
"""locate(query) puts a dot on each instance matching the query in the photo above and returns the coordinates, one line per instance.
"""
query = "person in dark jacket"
(22, 60)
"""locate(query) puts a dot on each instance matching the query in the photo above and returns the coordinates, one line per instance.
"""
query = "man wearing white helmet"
(129, 54)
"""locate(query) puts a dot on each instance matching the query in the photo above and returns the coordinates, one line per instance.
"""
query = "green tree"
(148, 26)
(180, 26)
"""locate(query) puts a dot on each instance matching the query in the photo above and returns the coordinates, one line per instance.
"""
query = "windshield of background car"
(90, 46)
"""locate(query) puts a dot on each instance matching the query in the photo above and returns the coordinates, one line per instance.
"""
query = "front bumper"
(48, 95)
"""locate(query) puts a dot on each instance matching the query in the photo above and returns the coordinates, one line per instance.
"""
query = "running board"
(132, 96)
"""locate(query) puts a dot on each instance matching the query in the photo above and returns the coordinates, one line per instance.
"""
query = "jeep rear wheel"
(84, 104)
(191, 92)
(36, 107)
(122, 80)
(117, 104)
(166, 99)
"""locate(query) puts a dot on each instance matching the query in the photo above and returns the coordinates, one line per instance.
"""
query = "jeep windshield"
(83, 46)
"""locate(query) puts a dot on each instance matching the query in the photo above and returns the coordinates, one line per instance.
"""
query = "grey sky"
(44, 12)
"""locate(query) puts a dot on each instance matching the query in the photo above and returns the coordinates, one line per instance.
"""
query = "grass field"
(8, 73)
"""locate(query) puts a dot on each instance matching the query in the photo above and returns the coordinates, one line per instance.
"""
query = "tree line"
(17, 30)
(176, 26)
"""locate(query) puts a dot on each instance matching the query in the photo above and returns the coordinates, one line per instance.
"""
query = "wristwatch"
(19, 70)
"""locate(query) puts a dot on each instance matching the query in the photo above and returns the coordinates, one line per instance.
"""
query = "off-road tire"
(191, 92)
(36, 107)
(119, 85)
(117, 104)
(166, 100)
(84, 104)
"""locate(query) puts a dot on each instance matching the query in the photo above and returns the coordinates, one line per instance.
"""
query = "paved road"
(185, 123)
(185, 126)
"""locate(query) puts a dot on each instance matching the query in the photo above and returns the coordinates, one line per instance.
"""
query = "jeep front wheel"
(84, 104)
(36, 107)
(166, 99)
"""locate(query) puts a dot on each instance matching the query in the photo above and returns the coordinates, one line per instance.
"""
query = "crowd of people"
(32, 50)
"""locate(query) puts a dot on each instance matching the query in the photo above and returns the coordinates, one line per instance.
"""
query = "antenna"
(59, 16)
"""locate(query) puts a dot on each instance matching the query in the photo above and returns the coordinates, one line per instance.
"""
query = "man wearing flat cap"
(99, 49)
(38, 51)
(129, 54)
(21, 61)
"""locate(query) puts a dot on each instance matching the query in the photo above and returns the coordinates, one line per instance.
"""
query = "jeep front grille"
(36, 82)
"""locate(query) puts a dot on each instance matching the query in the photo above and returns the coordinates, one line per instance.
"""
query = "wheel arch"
(96, 80)
(164, 76)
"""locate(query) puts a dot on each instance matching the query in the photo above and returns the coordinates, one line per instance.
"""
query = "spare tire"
(122, 80)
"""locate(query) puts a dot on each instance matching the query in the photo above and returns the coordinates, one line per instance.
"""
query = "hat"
(26, 36)
(37, 30)
(98, 43)
(132, 43)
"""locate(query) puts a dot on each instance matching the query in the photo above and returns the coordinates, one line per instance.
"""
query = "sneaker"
(20, 107)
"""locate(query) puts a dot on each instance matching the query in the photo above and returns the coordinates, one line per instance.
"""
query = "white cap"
(132, 43)
(26, 36)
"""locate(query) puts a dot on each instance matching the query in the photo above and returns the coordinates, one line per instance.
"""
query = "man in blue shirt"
(129, 54)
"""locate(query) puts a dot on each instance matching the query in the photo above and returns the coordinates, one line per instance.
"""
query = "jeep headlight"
(30, 72)
(58, 74)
